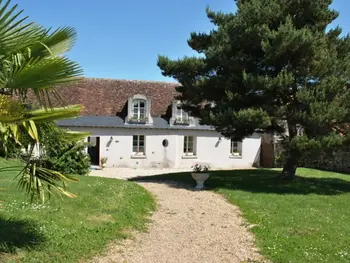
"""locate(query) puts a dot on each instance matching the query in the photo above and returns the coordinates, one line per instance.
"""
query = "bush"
(279, 160)
(68, 158)
(334, 159)
(10, 149)
(337, 160)
(59, 153)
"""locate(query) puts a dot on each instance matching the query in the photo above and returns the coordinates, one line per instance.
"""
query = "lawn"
(69, 230)
(306, 220)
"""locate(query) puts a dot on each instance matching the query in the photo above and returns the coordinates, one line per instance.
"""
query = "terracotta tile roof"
(108, 97)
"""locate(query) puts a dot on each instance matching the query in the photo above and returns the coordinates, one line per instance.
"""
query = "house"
(140, 124)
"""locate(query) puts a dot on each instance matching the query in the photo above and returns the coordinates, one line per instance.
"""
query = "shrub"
(57, 152)
(68, 158)
(333, 159)
(10, 149)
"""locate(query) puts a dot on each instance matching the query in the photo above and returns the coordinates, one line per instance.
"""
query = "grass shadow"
(15, 234)
(257, 181)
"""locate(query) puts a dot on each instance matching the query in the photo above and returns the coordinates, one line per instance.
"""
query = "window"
(165, 143)
(92, 141)
(139, 110)
(236, 148)
(138, 145)
(181, 115)
(189, 145)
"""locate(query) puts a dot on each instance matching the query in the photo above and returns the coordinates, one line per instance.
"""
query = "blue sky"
(121, 39)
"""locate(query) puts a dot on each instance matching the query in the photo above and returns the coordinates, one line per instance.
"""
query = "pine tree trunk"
(290, 165)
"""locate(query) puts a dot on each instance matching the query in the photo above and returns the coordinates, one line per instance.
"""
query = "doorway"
(94, 150)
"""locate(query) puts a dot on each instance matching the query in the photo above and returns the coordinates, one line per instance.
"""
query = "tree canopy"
(275, 66)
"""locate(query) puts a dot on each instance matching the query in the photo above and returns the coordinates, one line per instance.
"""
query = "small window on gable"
(182, 116)
(236, 148)
(138, 145)
(189, 145)
(138, 110)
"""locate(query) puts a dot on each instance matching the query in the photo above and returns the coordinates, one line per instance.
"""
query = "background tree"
(32, 61)
(273, 66)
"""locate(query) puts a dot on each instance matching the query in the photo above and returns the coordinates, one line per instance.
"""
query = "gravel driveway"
(188, 226)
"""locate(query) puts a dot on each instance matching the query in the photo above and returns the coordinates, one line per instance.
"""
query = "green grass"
(69, 230)
(306, 220)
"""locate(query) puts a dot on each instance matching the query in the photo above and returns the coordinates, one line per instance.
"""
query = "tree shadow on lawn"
(15, 234)
(255, 181)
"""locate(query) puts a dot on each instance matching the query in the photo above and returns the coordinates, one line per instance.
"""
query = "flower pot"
(103, 165)
(200, 179)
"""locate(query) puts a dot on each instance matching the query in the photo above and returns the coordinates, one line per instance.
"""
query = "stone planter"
(200, 179)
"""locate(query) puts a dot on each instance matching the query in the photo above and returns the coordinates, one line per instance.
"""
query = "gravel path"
(188, 226)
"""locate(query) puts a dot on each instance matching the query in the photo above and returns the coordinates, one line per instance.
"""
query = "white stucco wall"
(209, 149)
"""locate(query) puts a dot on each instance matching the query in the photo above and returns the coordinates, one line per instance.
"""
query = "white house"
(139, 124)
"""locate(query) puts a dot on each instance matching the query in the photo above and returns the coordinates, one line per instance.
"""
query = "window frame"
(138, 140)
(183, 116)
(186, 147)
(137, 116)
(236, 146)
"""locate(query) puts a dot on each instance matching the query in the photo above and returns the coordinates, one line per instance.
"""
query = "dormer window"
(181, 115)
(139, 110)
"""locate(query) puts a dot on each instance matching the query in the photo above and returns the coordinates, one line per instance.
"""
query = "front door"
(94, 150)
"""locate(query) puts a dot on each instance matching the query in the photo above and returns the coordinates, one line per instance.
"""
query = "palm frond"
(31, 129)
(58, 42)
(30, 60)
(54, 114)
(15, 34)
(63, 134)
(42, 76)
(43, 115)
(29, 120)
(36, 181)
(15, 133)
(75, 136)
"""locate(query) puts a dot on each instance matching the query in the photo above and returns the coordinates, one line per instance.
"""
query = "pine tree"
(273, 66)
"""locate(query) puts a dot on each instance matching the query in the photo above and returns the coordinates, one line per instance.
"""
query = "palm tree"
(32, 62)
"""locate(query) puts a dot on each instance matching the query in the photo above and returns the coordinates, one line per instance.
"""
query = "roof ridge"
(132, 80)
